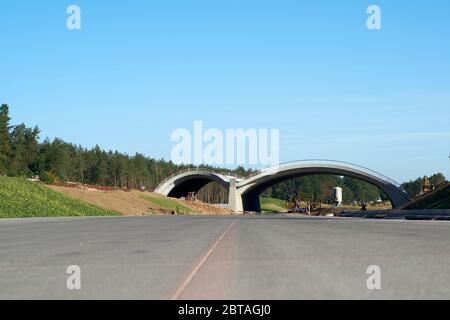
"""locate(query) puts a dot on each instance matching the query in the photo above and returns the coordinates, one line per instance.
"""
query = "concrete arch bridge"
(244, 193)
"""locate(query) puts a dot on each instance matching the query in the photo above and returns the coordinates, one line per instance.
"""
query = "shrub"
(48, 177)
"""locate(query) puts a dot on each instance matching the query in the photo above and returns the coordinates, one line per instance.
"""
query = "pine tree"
(32, 149)
(5, 143)
(18, 165)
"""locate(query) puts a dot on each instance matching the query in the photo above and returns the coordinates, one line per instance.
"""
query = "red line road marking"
(200, 264)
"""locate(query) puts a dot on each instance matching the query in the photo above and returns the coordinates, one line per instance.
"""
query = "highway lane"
(275, 257)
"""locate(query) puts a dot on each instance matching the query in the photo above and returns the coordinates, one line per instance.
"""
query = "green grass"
(273, 205)
(20, 198)
(167, 204)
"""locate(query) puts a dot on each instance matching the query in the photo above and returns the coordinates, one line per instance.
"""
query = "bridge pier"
(240, 203)
(235, 198)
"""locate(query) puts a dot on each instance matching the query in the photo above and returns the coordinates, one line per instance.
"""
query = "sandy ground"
(131, 203)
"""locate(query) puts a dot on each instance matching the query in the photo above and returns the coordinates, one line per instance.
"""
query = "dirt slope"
(136, 202)
(437, 199)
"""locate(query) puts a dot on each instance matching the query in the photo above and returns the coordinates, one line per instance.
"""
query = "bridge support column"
(235, 198)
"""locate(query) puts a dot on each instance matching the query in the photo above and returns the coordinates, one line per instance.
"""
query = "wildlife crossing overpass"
(244, 194)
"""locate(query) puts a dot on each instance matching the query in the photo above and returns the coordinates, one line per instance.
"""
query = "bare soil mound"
(136, 203)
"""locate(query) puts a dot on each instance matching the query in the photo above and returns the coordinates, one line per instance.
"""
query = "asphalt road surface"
(224, 258)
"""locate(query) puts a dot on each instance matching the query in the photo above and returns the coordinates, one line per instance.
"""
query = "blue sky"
(140, 69)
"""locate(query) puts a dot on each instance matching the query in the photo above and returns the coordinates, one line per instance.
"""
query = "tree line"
(22, 154)
(414, 187)
(319, 188)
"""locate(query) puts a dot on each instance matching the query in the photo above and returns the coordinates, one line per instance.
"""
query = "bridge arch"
(250, 189)
(191, 180)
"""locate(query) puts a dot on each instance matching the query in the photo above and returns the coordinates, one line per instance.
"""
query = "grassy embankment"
(167, 204)
(273, 205)
(20, 198)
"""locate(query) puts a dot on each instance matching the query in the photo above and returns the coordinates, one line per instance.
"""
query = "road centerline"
(200, 263)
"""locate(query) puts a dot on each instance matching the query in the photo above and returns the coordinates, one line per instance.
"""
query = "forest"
(21, 154)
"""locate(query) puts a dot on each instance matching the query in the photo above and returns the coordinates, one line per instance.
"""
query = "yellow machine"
(290, 206)
(426, 185)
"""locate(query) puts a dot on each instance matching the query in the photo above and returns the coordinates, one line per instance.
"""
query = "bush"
(48, 177)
